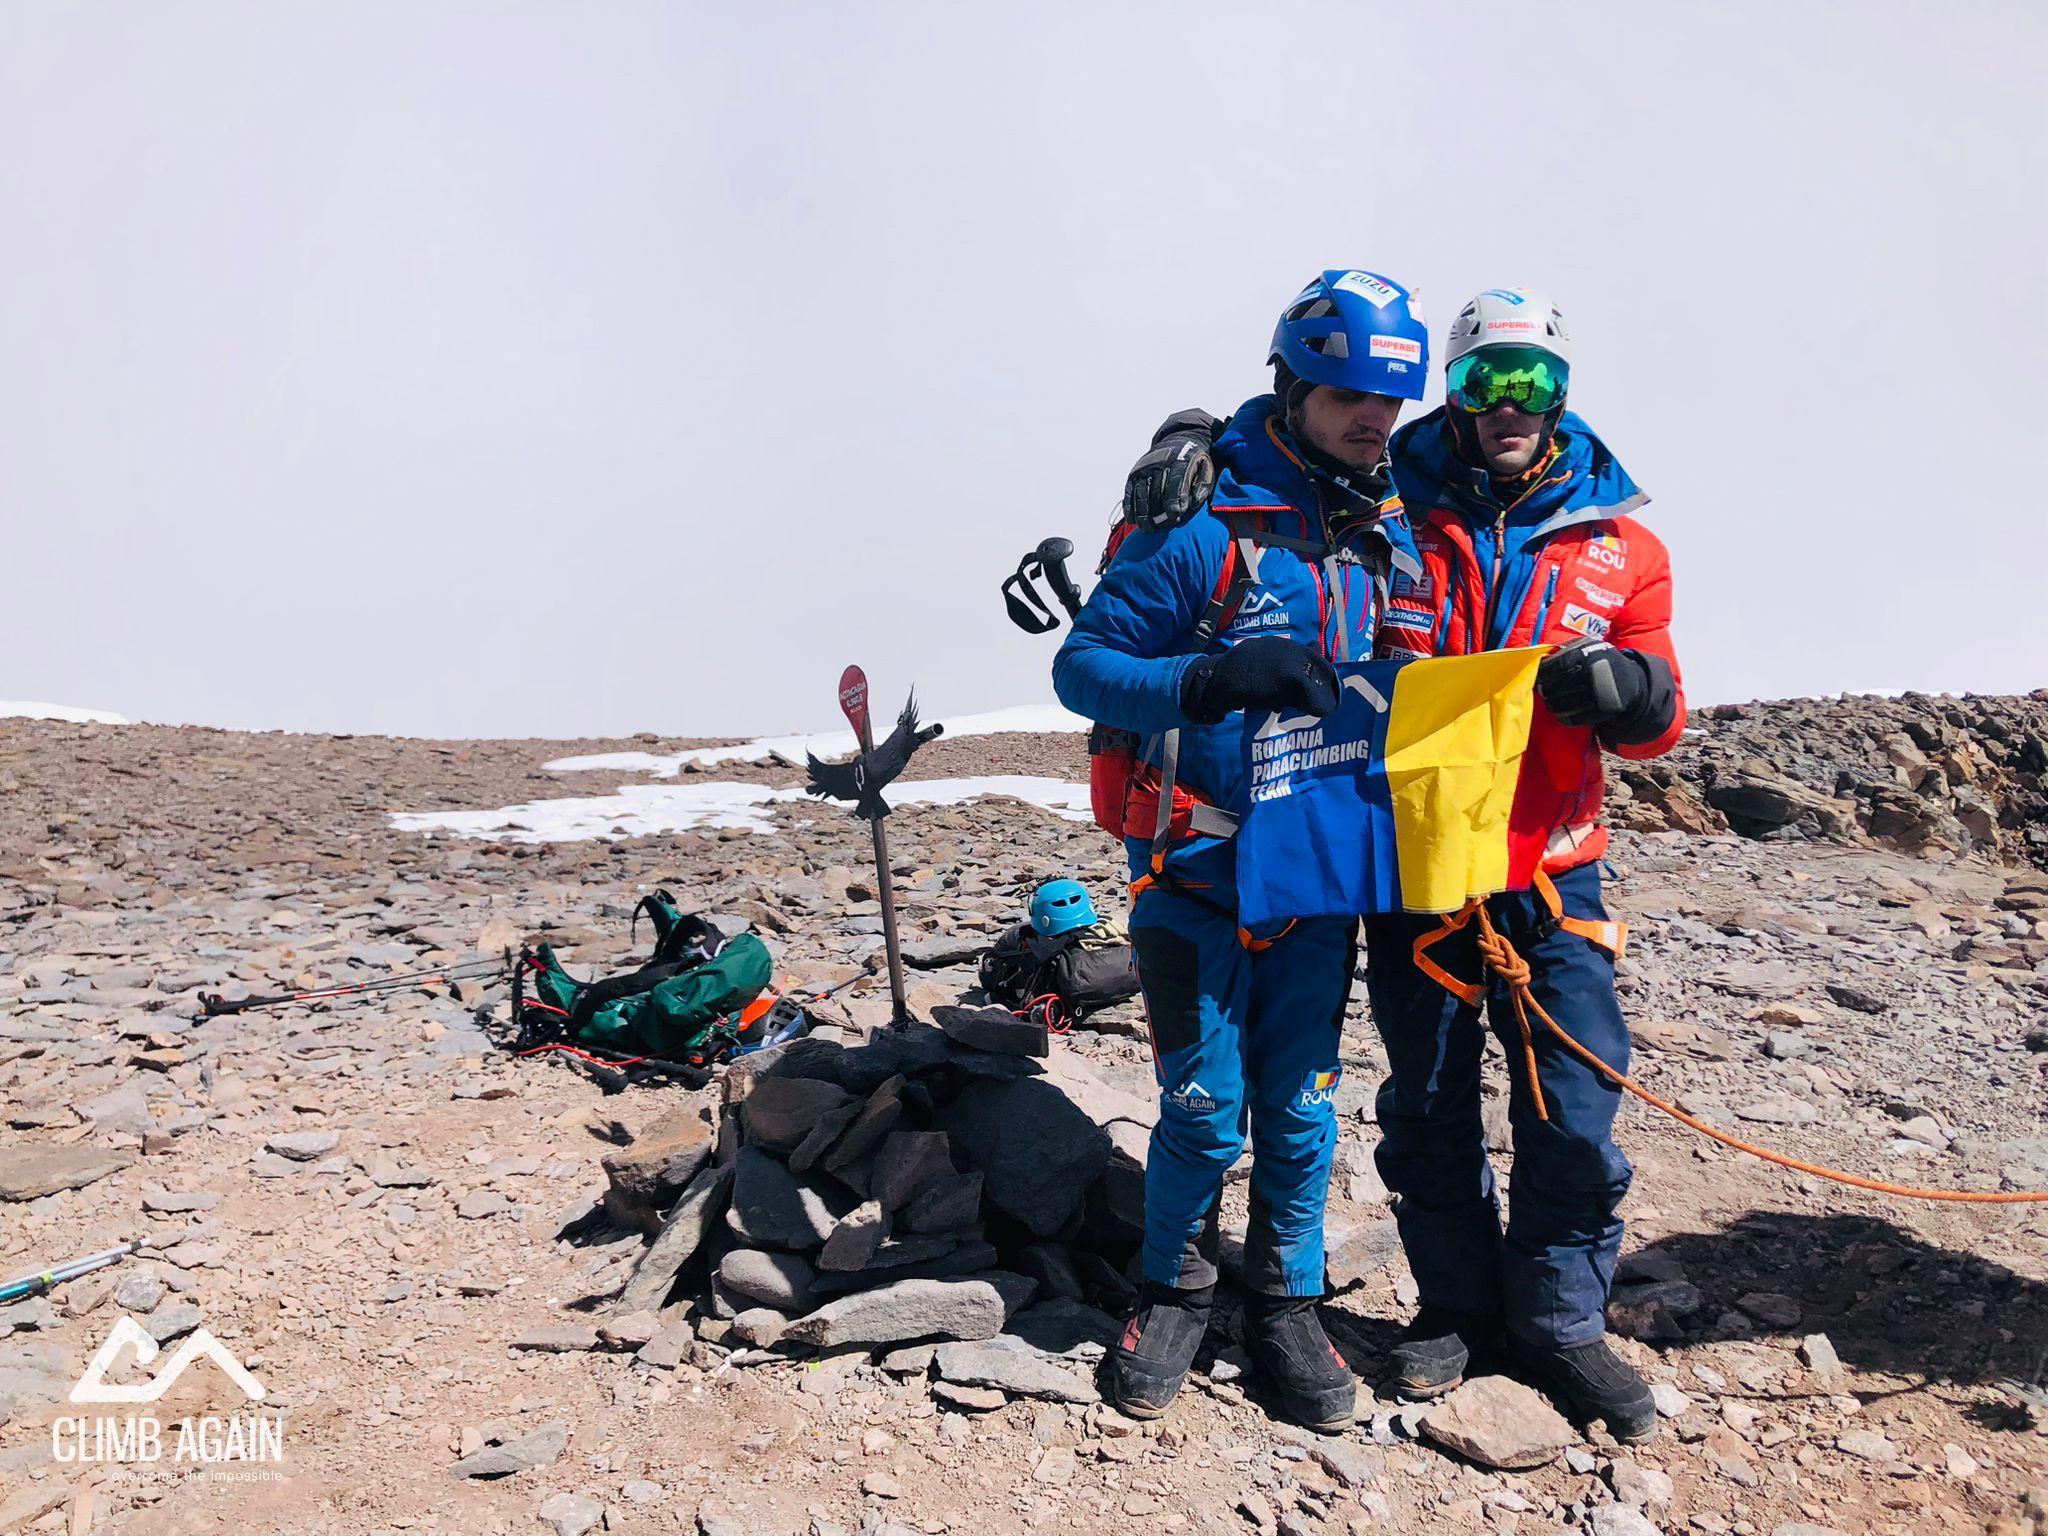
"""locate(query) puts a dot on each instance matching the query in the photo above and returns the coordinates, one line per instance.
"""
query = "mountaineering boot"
(1595, 1383)
(1436, 1350)
(1286, 1341)
(1158, 1344)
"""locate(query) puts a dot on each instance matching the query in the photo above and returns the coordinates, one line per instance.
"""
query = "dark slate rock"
(779, 1280)
(1062, 1326)
(951, 1203)
(876, 1119)
(782, 1111)
(907, 1309)
(995, 1030)
(908, 1163)
(771, 1208)
(679, 1240)
(1037, 1153)
(970, 1258)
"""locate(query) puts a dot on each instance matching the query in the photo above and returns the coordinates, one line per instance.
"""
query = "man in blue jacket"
(1523, 523)
(1243, 607)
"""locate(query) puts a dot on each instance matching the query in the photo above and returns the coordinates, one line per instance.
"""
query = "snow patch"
(641, 810)
(12, 710)
(1033, 718)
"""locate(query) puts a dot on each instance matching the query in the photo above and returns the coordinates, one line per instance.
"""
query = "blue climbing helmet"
(1061, 906)
(1355, 330)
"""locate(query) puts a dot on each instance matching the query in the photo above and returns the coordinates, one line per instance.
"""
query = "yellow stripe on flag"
(1456, 731)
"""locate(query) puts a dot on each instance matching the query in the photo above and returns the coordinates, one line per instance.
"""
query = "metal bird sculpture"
(862, 777)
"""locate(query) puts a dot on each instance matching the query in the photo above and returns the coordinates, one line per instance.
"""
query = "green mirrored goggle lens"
(1527, 377)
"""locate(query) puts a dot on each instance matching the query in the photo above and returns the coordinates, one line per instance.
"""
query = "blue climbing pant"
(1240, 1037)
(1550, 1277)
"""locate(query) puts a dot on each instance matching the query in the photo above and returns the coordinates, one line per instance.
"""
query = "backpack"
(692, 1002)
(1123, 792)
(1065, 977)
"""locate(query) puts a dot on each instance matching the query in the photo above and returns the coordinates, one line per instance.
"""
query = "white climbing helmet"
(1509, 317)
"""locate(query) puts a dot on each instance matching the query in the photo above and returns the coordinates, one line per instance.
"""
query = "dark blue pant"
(1240, 1038)
(1551, 1276)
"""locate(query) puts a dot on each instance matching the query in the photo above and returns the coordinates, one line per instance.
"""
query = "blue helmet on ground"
(1355, 330)
(1061, 906)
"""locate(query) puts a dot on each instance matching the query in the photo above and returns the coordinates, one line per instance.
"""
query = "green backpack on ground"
(672, 1007)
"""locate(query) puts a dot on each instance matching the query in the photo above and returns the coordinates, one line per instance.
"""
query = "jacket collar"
(1260, 467)
(1584, 483)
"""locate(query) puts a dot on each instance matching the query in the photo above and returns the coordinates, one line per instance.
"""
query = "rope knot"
(1501, 958)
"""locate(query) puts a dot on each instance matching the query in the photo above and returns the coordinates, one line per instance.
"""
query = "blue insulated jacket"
(1135, 638)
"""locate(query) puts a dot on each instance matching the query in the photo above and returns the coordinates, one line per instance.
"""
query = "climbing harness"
(1502, 959)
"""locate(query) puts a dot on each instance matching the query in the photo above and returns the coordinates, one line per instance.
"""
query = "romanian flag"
(1399, 800)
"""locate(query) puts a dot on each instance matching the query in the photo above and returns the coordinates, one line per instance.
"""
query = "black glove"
(1630, 696)
(1270, 672)
(1173, 478)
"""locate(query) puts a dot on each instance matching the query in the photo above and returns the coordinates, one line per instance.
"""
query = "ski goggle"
(1527, 377)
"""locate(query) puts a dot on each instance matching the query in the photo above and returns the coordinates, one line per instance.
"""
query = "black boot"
(1158, 1344)
(1287, 1342)
(1437, 1349)
(1594, 1383)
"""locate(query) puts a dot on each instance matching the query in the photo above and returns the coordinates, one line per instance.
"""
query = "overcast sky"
(522, 369)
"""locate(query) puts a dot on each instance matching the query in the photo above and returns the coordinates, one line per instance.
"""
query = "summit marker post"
(853, 701)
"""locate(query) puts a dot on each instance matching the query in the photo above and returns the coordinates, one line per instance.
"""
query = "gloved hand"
(1270, 672)
(1173, 478)
(1630, 696)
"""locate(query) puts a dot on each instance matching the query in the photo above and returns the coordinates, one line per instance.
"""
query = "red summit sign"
(853, 699)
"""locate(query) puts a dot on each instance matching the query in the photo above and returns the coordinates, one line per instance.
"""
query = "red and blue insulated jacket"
(1563, 560)
(1320, 579)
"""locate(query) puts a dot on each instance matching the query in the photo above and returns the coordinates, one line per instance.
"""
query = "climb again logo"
(191, 1442)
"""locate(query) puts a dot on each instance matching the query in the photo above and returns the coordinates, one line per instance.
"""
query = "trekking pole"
(213, 1004)
(853, 700)
(50, 1279)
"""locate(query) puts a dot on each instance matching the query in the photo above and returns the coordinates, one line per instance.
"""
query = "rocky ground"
(1839, 949)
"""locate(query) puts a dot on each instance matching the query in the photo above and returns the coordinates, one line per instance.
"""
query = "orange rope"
(1502, 960)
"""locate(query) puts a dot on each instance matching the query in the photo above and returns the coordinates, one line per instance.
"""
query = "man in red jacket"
(1524, 523)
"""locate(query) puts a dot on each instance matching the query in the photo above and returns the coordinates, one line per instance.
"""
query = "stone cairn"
(964, 1198)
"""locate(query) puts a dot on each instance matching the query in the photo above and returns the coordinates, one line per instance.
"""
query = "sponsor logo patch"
(1410, 618)
(1422, 588)
(1375, 290)
(1598, 596)
(1585, 622)
(1505, 295)
(1193, 1097)
(1510, 325)
(1607, 549)
(1397, 347)
(1265, 609)
(1321, 1087)
(1402, 653)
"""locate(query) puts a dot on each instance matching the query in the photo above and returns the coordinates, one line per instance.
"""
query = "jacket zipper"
(1500, 530)
(1543, 613)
